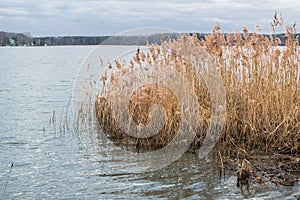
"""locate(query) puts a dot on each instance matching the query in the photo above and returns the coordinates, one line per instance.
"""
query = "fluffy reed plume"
(261, 81)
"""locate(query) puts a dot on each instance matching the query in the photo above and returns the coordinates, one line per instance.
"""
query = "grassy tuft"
(261, 81)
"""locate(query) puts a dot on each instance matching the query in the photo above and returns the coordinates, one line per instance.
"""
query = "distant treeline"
(25, 39)
(15, 39)
(69, 40)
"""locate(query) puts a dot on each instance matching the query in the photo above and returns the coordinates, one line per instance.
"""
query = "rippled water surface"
(35, 84)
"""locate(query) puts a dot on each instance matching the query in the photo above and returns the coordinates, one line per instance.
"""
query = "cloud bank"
(94, 17)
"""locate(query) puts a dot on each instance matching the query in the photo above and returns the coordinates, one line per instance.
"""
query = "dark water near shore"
(51, 164)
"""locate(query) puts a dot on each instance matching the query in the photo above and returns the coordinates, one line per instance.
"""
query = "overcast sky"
(99, 17)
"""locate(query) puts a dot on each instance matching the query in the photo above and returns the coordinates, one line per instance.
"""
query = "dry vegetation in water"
(262, 91)
(262, 88)
(167, 56)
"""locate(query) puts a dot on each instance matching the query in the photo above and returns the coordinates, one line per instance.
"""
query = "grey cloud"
(77, 17)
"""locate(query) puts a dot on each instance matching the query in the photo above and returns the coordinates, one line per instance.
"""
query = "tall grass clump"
(167, 56)
(262, 88)
(261, 79)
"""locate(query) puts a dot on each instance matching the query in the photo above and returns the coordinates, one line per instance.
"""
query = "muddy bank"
(265, 169)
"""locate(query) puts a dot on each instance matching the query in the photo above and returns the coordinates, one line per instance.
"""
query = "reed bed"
(261, 81)
(167, 56)
(262, 88)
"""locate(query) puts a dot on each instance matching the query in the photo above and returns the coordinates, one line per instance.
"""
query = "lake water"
(52, 164)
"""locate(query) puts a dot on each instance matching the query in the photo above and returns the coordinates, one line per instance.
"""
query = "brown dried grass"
(262, 90)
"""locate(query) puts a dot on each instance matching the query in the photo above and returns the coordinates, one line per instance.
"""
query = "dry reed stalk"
(7, 180)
